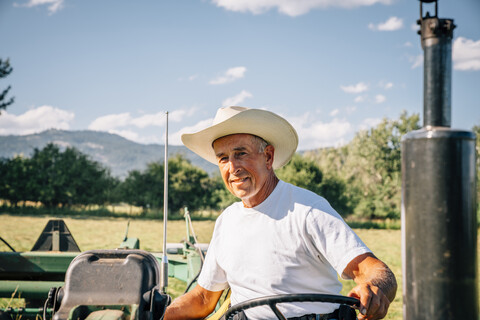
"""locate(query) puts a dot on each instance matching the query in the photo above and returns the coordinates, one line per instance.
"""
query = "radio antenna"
(164, 282)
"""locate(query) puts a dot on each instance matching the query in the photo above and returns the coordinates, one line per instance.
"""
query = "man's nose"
(234, 165)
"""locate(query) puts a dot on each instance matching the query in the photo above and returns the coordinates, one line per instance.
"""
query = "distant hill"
(113, 151)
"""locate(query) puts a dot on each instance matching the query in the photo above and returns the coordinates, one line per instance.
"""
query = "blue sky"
(330, 67)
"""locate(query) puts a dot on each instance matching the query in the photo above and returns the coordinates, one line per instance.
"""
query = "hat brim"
(265, 124)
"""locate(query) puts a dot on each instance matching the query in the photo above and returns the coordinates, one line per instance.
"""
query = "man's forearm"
(368, 269)
(182, 308)
(196, 304)
(376, 286)
(384, 279)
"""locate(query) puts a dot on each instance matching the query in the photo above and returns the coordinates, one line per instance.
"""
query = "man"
(280, 238)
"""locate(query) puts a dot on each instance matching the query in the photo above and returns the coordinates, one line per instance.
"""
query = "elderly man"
(280, 238)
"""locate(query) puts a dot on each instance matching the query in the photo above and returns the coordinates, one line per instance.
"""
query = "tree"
(136, 190)
(15, 185)
(5, 70)
(89, 182)
(370, 167)
(305, 173)
(374, 164)
(189, 185)
(144, 189)
(68, 178)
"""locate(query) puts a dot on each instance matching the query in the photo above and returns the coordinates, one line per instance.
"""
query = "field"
(91, 233)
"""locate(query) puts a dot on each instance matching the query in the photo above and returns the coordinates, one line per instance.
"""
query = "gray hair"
(260, 142)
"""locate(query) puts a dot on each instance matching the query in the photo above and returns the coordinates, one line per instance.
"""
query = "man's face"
(244, 169)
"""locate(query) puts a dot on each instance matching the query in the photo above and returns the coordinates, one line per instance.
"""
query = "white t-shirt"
(293, 242)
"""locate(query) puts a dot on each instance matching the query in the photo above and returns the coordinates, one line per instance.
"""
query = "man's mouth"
(239, 180)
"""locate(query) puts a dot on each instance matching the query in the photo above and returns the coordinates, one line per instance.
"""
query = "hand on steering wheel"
(272, 302)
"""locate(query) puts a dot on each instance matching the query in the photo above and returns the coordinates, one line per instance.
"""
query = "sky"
(329, 67)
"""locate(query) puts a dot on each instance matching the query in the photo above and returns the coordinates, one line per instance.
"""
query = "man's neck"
(263, 194)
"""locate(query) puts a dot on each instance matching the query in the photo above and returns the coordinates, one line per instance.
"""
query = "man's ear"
(269, 153)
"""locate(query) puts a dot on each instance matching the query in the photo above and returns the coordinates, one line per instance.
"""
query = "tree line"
(370, 167)
(68, 178)
(361, 178)
(55, 178)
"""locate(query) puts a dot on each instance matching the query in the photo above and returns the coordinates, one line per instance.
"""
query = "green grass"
(107, 233)
(94, 211)
(99, 233)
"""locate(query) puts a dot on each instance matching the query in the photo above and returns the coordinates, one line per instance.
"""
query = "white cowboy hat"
(231, 120)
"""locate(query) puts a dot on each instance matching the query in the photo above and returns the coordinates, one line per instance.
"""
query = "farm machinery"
(57, 280)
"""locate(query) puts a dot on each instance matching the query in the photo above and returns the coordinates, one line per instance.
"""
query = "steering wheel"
(272, 302)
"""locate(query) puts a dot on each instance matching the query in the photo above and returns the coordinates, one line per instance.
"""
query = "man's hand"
(376, 286)
(373, 302)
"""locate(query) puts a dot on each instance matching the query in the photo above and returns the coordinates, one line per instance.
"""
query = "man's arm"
(376, 285)
(195, 304)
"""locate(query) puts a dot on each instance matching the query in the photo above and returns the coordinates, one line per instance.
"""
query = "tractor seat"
(110, 278)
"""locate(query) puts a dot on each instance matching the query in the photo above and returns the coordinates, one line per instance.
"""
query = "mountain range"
(112, 151)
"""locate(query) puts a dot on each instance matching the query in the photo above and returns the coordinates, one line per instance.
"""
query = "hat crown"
(226, 113)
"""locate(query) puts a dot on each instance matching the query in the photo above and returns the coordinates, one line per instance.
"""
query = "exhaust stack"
(439, 227)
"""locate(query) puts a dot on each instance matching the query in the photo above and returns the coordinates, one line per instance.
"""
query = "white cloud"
(369, 123)
(386, 85)
(53, 5)
(351, 109)
(314, 133)
(148, 120)
(110, 122)
(360, 98)
(230, 75)
(380, 98)
(392, 24)
(466, 54)
(190, 78)
(334, 112)
(408, 44)
(113, 121)
(35, 120)
(179, 115)
(416, 61)
(357, 88)
(132, 128)
(291, 7)
(236, 100)
(175, 138)
(415, 27)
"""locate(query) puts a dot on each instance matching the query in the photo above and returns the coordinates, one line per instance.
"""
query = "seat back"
(108, 277)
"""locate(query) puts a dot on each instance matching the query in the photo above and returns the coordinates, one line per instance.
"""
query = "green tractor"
(58, 281)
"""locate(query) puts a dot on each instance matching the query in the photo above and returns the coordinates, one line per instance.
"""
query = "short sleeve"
(212, 276)
(332, 237)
